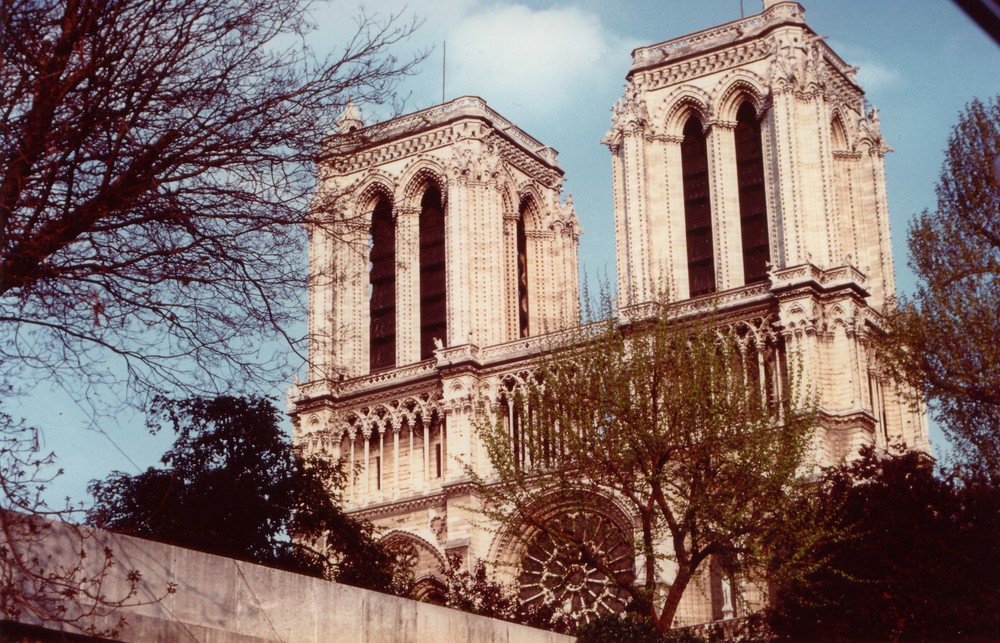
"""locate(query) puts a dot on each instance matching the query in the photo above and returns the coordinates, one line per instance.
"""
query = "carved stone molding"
(628, 116)
(672, 74)
(399, 507)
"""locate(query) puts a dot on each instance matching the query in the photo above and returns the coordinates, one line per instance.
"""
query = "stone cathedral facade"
(748, 179)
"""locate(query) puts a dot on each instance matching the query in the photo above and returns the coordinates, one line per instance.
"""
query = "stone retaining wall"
(222, 600)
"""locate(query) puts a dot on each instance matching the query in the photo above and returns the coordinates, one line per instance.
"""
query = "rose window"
(572, 567)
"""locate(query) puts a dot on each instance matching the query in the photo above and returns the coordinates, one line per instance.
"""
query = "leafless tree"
(156, 162)
(43, 582)
(156, 167)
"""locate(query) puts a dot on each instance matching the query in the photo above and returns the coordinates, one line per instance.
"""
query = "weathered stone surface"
(221, 600)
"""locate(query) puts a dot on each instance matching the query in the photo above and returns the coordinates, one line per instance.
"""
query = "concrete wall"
(219, 599)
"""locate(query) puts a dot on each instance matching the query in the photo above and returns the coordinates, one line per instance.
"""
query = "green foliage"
(672, 418)
(479, 592)
(945, 339)
(920, 561)
(614, 627)
(233, 486)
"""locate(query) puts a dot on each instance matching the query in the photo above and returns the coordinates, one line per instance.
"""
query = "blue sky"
(556, 68)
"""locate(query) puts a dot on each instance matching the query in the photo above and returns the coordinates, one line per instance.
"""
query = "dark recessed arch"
(753, 198)
(433, 295)
(839, 135)
(697, 208)
(382, 286)
(525, 210)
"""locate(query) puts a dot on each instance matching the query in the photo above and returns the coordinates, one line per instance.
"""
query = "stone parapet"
(228, 601)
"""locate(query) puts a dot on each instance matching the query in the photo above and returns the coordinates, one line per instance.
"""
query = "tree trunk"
(684, 575)
(650, 558)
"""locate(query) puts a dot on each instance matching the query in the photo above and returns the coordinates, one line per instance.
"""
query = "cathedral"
(748, 178)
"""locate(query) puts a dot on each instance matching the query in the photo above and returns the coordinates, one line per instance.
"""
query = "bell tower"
(745, 147)
(440, 249)
(748, 170)
(437, 229)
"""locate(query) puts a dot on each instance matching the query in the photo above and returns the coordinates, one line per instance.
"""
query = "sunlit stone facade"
(748, 179)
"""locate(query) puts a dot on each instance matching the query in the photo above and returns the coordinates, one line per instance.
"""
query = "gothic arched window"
(697, 209)
(753, 200)
(382, 288)
(522, 273)
(433, 307)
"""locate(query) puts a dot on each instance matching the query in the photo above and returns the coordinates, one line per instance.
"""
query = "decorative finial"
(350, 118)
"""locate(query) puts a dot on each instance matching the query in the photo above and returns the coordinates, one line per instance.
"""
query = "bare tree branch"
(156, 167)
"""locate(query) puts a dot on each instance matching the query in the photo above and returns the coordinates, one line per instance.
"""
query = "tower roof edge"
(463, 107)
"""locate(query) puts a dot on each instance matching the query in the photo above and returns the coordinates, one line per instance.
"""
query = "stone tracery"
(581, 575)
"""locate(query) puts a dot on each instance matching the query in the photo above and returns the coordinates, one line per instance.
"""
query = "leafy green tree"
(674, 418)
(945, 339)
(919, 561)
(615, 627)
(233, 486)
(478, 591)
(612, 628)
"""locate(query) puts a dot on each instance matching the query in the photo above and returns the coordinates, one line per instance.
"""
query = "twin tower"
(748, 181)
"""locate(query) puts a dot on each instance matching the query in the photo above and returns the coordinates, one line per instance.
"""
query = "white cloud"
(540, 60)
(536, 60)
(876, 77)
(876, 74)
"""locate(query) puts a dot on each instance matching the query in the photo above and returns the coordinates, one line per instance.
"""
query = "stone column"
(395, 462)
(622, 263)
(407, 285)
(782, 169)
(724, 188)
(492, 241)
(886, 285)
(427, 452)
(458, 237)
(675, 253)
(509, 277)
(458, 420)
(380, 469)
(366, 484)
(636, 225)
(569, 301)
(321, 291)
(541, 285)
(352, 472)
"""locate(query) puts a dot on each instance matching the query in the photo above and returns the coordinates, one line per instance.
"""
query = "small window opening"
(522, 274)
